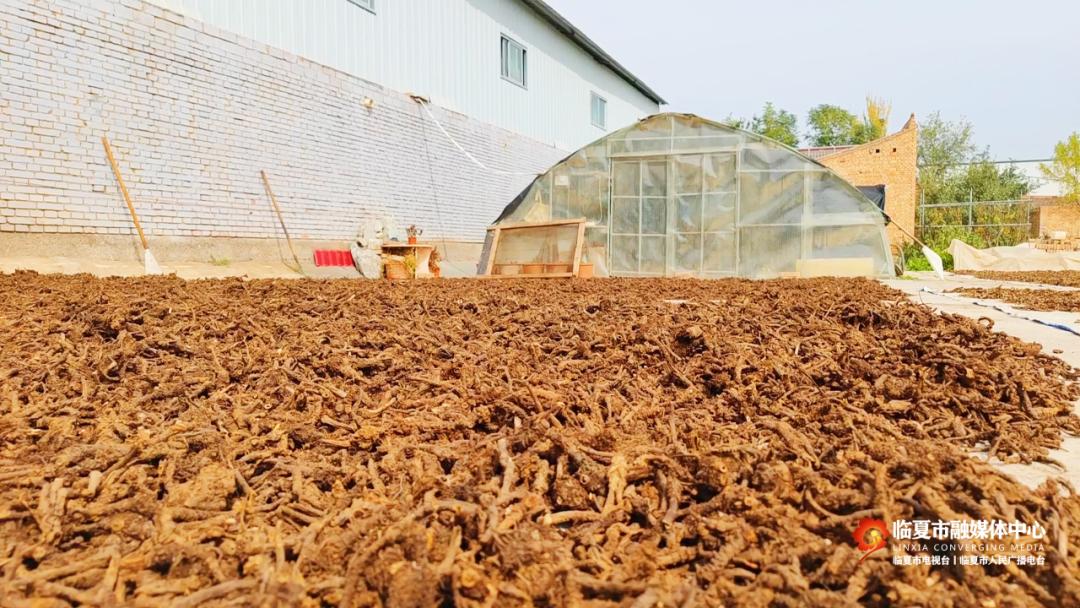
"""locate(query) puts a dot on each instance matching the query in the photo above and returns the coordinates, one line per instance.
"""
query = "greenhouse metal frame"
(679, 195)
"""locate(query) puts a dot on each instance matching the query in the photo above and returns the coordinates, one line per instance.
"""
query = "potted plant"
(413, 233)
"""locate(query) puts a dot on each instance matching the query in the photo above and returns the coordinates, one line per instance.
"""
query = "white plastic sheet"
(1021, 257)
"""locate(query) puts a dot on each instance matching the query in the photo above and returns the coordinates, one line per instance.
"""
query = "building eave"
(563, 26)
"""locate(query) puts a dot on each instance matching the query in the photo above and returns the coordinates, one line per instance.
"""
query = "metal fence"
(995, 223)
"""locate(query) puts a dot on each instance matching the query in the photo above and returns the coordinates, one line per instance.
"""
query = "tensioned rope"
(423, 104)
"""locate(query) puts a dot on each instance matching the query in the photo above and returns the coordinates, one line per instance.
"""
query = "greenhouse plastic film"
(679, 195)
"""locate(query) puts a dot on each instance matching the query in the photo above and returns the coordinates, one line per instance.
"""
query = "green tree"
(982, 180)
(943, 146)
(1065, 168)
(738, 123)
(777, 124)
(833, 126)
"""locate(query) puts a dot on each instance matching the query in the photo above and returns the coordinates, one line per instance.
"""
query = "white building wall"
(448, 51)
(195, 113)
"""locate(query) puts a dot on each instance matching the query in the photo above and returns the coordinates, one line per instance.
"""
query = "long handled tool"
(931, 256)
(149, 262)
(277, 210)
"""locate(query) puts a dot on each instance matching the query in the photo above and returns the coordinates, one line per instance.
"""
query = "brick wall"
(893, 161)
(1057, 217)
(194, 113)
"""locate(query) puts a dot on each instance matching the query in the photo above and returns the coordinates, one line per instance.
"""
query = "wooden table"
(422, 251)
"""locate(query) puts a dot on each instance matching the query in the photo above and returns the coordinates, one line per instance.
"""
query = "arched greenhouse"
(679, 195)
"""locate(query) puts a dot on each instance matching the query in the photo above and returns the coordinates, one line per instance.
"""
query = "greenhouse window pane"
(766, 251)
(719, 173)
(624, 253)
(653, 254)
(587, 197)
(772, 157)
(654, 216)
(624, 215)
(627, 179)
(687, 174)
(688, 209)
(596, 236)
(560, 196)
(707, 143)
(654, 180)
(719, 212)
(719, 252)
(847, 242)
(770, 198)
(641, 146)
(687, 252)
(830, 195)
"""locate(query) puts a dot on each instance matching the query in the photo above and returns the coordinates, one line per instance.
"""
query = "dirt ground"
(482, 443)
(1031, 299)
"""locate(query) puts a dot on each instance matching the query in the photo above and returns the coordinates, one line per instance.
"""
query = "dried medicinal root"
(1033, 299)
(1063, 278)
(473, 443)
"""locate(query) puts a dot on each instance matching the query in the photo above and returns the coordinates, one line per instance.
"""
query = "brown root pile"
(1032, 299)
(475, 443)
(1063, 278)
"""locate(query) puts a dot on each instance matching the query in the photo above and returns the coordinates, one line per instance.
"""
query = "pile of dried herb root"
(510, 443)
(1031, 299)
(1062, 278)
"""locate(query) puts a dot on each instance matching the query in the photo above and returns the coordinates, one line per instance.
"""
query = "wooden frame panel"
(497, 236)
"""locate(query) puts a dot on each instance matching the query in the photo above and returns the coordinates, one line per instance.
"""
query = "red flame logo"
(870, 536)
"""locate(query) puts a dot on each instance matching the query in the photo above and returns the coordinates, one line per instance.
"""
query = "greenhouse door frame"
(671, 219)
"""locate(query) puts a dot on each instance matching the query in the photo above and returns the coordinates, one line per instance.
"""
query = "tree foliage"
(943, 146)
(776, 123)
(832, 126)
(1065, 168)
(773, 122)
(876, 120)
(952, 169)
(738, 123)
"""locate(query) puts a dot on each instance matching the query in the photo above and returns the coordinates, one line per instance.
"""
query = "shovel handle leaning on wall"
(149, 262)
(281, 220)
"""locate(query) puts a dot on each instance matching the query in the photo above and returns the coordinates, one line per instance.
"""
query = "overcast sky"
(1011, 68)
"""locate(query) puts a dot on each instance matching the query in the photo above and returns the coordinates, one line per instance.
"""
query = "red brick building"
(891, 161)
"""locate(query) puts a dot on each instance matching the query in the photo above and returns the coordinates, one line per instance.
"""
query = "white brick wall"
(194, 113)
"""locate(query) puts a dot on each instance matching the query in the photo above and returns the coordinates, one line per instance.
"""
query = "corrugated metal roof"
(561, 24)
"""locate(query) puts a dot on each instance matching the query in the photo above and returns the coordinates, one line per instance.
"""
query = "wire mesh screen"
(536, 250)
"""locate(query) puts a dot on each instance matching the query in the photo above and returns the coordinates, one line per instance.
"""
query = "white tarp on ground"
(1021, 257)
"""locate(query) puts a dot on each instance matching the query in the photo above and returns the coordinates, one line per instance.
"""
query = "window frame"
(593, 98)
(367, 5)
(506, 44)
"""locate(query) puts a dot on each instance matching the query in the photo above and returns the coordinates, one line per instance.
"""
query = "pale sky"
(1011, 68)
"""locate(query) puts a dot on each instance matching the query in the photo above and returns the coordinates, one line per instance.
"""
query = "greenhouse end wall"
(678, 195)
